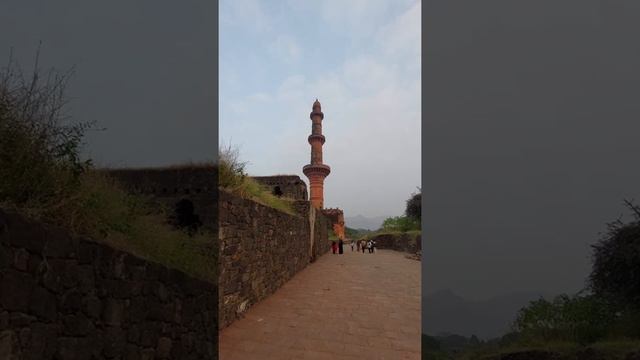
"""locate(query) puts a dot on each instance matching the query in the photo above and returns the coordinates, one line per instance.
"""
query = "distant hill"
(444, 312)
(363, 222)
(356, 233)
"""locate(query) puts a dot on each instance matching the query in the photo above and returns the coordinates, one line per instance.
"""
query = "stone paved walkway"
(351, 306)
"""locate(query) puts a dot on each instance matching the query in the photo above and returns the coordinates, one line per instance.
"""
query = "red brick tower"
(316, 171)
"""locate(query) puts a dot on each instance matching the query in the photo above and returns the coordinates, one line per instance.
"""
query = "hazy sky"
(145, 71)
(361, 59)
(531, 139)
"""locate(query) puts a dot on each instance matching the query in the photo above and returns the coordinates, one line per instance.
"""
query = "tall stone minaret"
(316, 171)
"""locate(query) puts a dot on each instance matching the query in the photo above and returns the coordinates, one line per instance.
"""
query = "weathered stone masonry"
(261, 248)
(170, 186)
(71, 298)
(411, 243)
(288, 186)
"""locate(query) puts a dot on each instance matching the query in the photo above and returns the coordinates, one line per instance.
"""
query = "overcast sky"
(145, 71)
(532, 116)
(361, 59)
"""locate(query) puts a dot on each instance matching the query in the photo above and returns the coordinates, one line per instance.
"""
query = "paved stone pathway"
(350, 306)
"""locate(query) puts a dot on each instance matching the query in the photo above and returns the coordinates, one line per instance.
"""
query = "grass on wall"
(100, 209)
(43, 178)
(138, 225)
(233, 178)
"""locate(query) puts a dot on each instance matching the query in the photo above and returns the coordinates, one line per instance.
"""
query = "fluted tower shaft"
(316, 171)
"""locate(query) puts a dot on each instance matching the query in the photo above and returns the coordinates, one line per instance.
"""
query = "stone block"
(42, 341)
(138, 309)
(35, 265)
(21, 259)
(25, 233)
(4, 228)
(163, 350)
(43, 304)
(113, 312)
(88, 251)
(24, 336)
(59, 244)
(92, 307)
(120, 289)
(18, 320)
(132, 352)
(58, 274)
(160, 311)
(71, 348)
(76, 325)
(71, 301)
(149, 336)
(86, 278)
(6, 254)
(133, 334)
(148, 354)
(16, 289)
(114, 342)
(9, 346)
(4, 320)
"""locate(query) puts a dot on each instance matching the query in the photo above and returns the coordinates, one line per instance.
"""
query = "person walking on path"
(373, 246)
(334, 247)
(340, 247)
(352, 244)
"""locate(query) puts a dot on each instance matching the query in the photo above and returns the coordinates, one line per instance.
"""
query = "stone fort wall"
(406, 242)
(289, 186)
(65, 297)
(196, 185)
(71, 298)
(261, 248)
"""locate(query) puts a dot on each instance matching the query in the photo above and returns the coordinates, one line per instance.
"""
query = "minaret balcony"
(316, 113)
(316, 137)
(316, 169)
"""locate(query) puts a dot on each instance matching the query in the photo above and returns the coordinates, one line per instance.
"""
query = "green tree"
(39, 146)
(616, 262)
(414, 206)
(400, 223)
(580, 318)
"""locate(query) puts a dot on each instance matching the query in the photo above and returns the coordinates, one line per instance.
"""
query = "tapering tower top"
(316, 109)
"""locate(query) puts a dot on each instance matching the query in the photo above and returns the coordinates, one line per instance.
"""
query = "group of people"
(338, 246)
(365, 245)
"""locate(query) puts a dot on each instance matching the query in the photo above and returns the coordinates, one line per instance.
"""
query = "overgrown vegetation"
(616, 263)
(580, 319)
(410, 221)
(605, 317)
(608, 309)
(42, 176)
(414, 206)
(400, 224)
(232, 177)
(407, 223)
